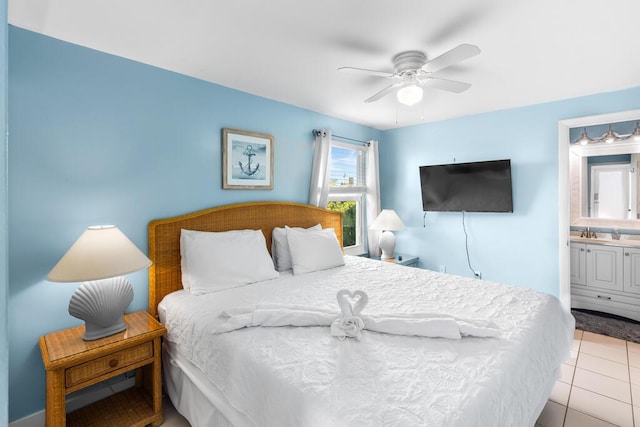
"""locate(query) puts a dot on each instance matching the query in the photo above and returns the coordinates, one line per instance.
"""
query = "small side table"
(72, 364)
(402, 259)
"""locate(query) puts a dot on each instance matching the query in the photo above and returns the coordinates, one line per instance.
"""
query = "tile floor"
(599, 387)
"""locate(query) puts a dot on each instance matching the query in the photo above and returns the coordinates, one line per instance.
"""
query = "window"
(347, 189)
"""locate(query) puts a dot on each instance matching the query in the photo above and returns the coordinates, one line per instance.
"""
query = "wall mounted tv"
(469, 187)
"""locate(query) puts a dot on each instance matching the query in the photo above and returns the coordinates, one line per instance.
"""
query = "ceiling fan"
(412, 72)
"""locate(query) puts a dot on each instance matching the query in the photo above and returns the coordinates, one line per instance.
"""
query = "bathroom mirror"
(604, 184)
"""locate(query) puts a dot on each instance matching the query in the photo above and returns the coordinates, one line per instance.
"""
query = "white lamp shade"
(387, 220)
(100, 252)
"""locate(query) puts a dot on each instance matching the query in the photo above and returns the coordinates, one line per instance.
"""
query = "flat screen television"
(469, 187)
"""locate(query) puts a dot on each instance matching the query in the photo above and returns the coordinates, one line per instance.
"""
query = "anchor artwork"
(247, 160)
(246, 169)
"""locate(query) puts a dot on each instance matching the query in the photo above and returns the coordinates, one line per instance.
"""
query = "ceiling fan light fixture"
(410, 94)
(411, 69)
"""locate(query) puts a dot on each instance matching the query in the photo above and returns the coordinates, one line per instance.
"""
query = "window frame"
(353, 193)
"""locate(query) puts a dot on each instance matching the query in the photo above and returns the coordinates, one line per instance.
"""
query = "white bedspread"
(302, 376)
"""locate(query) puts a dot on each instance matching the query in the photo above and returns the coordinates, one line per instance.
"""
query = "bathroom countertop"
(609, 242)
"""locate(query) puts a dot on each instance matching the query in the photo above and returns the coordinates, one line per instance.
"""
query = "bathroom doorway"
(564, 200)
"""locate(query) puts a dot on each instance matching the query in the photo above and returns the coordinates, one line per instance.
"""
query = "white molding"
(601, 119)
(563, 216)
(603, 149)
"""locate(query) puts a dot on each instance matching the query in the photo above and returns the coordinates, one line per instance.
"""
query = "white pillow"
(313, 250)
(280, 247)
(213, 261)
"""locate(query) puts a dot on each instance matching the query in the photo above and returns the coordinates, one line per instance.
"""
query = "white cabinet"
(578, 256)
(597, 266)
(604, 267)
(632, 270)
(606, 278)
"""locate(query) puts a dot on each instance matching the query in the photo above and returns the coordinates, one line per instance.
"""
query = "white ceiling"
(533, 51)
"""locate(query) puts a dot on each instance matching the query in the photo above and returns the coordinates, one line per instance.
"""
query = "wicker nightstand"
(73, 364)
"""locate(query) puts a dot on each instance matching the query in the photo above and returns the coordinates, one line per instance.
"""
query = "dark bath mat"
(607, 324)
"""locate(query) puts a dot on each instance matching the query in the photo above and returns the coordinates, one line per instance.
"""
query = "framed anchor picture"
(247, 160)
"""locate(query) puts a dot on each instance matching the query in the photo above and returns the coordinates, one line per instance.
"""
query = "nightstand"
(402, 259)
(72, 364)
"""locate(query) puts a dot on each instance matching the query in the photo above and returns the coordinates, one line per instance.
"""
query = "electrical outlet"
(442, 268)
(478, 274)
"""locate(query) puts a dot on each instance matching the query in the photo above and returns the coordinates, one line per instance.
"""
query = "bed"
(304, 376)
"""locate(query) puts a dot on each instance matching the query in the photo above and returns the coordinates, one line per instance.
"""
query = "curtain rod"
(316, 132)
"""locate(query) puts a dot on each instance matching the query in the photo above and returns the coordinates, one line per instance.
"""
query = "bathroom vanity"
(605, 276)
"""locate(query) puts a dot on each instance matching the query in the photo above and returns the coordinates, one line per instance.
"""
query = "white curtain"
(320, 174)
(372, 198)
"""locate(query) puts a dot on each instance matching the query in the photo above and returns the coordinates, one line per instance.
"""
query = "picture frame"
(247, 160)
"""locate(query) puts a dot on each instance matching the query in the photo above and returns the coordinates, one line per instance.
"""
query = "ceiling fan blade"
(387, 90)
(365, 71)
(444, 84)
(447, 59)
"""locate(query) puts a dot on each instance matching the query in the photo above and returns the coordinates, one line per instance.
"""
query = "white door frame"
(563, 189)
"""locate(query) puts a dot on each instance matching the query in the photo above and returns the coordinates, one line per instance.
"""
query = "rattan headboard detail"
(164, 235)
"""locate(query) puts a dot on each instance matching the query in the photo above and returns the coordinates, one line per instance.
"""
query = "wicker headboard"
(165, 275)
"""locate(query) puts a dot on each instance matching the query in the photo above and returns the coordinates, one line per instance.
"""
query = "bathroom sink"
(599, 241)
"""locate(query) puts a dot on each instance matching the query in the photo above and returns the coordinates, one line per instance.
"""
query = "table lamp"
(388, 221)
(100, 257)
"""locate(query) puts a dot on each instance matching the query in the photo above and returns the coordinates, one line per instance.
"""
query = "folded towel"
(434, 325)
(245, 317)
(345, 297)
(272, 306)
(347, 326)
(422, 327)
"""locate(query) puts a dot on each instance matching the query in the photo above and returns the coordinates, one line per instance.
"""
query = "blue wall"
(4, 212)
(519, 248)
(99, 139)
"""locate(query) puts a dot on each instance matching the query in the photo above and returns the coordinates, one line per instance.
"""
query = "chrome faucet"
(588, 233)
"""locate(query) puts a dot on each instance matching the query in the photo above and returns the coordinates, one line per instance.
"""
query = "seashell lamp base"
(101, 304)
